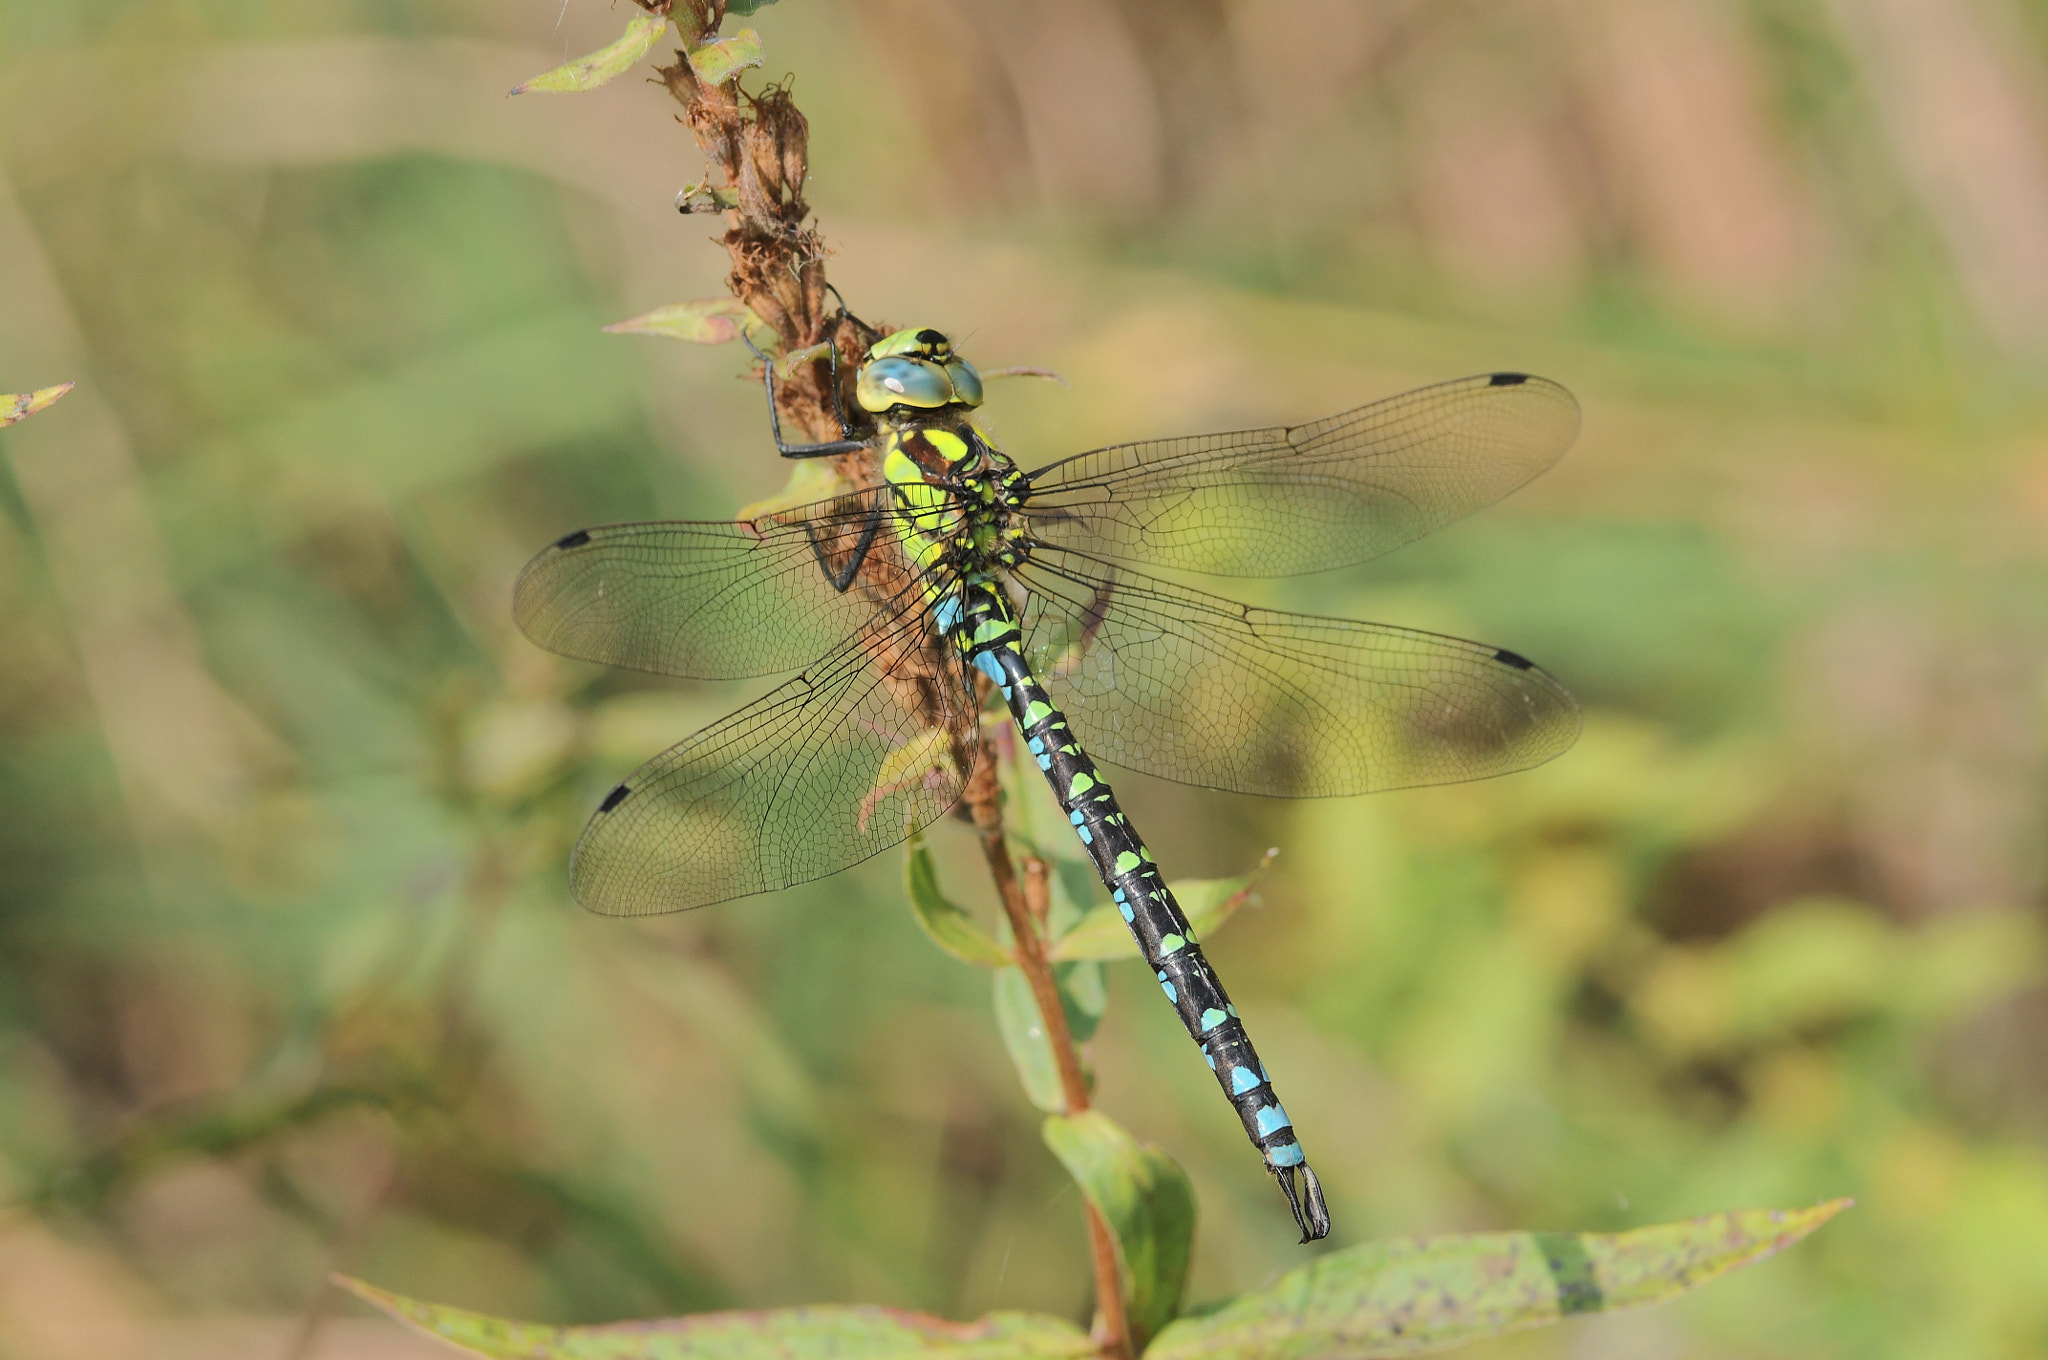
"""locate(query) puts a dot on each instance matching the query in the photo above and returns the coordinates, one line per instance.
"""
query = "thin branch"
(759, 143)
(983, 798)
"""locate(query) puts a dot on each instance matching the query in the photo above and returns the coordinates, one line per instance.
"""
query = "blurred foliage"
(289, 981)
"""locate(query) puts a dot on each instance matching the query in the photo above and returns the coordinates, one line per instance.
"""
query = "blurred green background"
(289, 980)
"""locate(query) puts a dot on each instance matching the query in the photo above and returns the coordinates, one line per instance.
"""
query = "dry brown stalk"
(759, 144)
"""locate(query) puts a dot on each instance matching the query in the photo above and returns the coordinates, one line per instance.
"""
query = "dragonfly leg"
(842, 579)
(847, 312)
(783, 446)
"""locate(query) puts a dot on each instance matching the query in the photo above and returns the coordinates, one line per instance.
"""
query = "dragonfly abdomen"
(986, 629)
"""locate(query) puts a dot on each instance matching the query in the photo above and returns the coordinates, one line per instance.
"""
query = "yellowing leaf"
(810, 479)
(723, 58)
(21, 405)
(587, 73)
(1208, 903)
(837, 1332)
(708, 321)
(1411, 1296)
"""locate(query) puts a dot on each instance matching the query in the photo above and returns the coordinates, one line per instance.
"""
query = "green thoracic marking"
(951, 446)
(1126, 862)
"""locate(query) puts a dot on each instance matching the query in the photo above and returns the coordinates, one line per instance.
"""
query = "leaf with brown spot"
(1415, 1295)
(16, 406)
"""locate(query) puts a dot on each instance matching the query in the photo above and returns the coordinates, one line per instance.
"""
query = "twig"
(760, 144)
(983, 798)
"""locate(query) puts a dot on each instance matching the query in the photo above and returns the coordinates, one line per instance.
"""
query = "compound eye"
(902, 382)
(966, 382)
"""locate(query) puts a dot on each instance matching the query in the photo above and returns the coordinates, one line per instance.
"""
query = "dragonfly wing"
(1206, 691)
(1299, 498)
(834, 766)
(713, 600)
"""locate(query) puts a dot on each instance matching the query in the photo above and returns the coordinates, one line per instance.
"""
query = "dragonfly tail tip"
(1311, 1215)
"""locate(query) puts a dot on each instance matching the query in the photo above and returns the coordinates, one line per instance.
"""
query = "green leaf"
(21, 405)
(698, 196)
(1410, 1296)
(587, 73)
(1082, 996)
(841, 1332)
(948, 923)
(786, 364)
(707, 321)
(721, 59)
(1145, 1198)
(1209, 902)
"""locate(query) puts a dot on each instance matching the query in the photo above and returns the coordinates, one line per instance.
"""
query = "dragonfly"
(907, 606)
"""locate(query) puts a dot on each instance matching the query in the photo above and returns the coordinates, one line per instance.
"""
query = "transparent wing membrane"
(1300, 498)
(1203, 690)
(877, 735)
(714, 601)
(831, 768)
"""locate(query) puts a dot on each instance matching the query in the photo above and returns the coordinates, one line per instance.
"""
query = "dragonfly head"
(917, 369)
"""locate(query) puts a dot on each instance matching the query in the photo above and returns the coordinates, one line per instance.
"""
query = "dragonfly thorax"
(958, 491)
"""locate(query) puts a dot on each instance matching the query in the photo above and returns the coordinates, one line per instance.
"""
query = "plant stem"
(759, 143)
(983, 799)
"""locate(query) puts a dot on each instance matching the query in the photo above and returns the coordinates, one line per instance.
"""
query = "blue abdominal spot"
(1243, 1079)
(985, 662)
(1272, 1119)
(1287, 1154)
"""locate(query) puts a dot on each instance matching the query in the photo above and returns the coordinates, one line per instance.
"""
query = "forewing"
(1290, 499)
(1206, 691)
(711, 600)
(831, 768)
